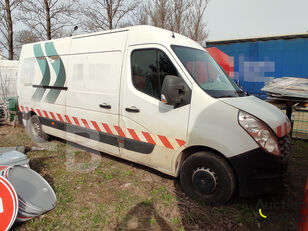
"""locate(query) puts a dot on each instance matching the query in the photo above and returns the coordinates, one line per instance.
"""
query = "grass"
(107, 193)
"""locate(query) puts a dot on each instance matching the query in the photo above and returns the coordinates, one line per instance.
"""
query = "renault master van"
(157, 98)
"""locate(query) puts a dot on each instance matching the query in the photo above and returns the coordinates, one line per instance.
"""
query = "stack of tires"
(8, 110)
(3, 113)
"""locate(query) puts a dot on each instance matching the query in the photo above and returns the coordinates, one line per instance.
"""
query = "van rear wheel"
(208, 178)
(34, 128)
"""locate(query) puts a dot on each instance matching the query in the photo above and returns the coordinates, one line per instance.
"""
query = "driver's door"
(152, 131)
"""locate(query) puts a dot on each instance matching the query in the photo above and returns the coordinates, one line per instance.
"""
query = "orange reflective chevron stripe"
(279, 131)
(60, 117)
(45, 113)
(133, 134)
(85, 123)
(52, 115)
(96, 126)
(76, 121)
(165, 141)
(283, 129)
(148, 138)
(108, 130)
(68, 119)
(119, 130)
(180, 142)
(141, 136)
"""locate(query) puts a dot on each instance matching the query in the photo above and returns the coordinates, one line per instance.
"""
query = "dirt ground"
(100, 192)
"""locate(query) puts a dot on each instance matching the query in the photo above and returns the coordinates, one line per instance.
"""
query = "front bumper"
(259, 172)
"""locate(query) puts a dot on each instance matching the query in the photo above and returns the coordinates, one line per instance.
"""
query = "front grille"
(284, 146)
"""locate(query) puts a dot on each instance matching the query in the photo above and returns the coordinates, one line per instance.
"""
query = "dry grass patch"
(120, 195)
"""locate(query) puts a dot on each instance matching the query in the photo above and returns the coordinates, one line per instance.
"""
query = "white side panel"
(39, 61)
(94, 80)
(215, 124)
(98, 43)
(28, 69)
(8, 77)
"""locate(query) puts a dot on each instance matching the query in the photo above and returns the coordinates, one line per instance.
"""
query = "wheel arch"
(30, 114)
(197, 148)
(44, 136)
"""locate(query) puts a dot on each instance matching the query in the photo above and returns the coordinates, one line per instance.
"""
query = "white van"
(157, 98)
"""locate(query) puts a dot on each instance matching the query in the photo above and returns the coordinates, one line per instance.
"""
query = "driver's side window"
(149, 68)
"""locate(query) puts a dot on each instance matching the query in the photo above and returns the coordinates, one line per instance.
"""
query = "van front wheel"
(207, 178)
(35, 130)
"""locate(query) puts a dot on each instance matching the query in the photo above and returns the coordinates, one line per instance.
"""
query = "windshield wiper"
(241, 91)
(227, 96)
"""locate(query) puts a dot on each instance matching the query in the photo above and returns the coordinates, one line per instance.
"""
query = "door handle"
(132, 109)
(104, 105)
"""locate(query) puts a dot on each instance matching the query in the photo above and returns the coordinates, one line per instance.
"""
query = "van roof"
(142, 34)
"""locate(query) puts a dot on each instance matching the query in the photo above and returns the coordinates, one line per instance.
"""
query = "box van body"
(157, 98)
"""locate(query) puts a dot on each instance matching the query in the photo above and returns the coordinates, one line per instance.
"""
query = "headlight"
(260, 132)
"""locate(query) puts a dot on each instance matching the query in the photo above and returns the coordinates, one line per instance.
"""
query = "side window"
(165, 67)
(149, 68)
(28, 70)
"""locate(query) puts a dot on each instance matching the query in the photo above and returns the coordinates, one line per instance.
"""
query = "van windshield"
(207, 73)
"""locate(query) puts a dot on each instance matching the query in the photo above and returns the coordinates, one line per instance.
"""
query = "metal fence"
(300, 123)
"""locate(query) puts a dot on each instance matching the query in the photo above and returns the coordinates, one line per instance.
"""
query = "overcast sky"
(231, 19)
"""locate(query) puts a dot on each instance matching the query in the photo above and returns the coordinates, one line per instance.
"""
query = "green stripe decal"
(42, 62)
(59, 69)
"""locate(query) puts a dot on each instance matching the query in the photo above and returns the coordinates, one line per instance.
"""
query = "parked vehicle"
(157, 98)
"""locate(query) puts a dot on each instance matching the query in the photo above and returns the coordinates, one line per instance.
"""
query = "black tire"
(207, 178)
(34, 129)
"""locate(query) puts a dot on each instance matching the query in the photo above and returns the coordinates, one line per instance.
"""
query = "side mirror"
(172, 91)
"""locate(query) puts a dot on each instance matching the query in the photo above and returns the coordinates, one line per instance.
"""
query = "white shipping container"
(8, 77)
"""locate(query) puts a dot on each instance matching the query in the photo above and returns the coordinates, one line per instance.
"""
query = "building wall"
(258, 62)
(8, 78)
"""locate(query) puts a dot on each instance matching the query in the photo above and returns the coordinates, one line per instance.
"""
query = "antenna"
(173, 36)
(75, 28)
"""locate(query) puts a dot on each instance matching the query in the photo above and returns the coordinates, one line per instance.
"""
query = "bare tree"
(5, 83)
(23, 37)
(181, 16)
(159, 13)
(140, 16)
(106, 14)
(6, 25)
(197, 31)
(47, 18)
